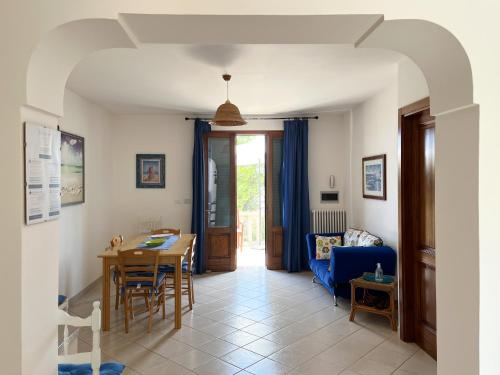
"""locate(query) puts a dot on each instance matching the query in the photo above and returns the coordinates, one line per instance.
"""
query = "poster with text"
(42, 173)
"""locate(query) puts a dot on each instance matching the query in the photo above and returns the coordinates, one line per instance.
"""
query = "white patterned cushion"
(351, 237)
(324, 246)
(367, 239)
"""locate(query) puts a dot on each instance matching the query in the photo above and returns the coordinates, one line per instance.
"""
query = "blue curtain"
(198, 210)
(295, 188)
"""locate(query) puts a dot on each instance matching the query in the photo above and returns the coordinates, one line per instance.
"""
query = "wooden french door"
(220, 201)
(274, 201)
(417, 226)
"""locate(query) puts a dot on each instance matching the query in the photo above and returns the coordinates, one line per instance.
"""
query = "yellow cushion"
(324, 246)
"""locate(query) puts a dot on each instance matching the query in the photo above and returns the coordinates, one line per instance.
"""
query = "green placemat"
(371, 277)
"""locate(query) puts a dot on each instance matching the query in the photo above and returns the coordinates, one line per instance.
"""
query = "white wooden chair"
(94, 321)
(64, 305)
(85, 363)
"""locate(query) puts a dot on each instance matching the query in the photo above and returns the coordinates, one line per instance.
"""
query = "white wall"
(141, 134)
(329, 155)
(85, 229)
(41, 253)
(450, 220)
(254, 125)
(412, 85)
(374, 131)
(172, 135)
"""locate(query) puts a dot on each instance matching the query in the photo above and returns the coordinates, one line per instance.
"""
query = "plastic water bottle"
(379, 274)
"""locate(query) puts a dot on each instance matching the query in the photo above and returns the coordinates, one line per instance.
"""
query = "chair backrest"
(166, 231)
(93, 321)
(191, 252)
(116, 241)
(139, 266)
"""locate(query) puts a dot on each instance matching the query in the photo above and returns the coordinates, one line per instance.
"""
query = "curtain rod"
(261, 118)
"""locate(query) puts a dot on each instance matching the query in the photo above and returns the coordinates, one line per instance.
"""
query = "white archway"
(446, 67)
(58, 53)
(436, 51)
(449, 78)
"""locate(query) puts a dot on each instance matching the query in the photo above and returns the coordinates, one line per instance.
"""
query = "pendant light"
(227, 114)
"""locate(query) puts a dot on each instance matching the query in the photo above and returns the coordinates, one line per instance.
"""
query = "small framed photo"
(374, 177)
(150, 171)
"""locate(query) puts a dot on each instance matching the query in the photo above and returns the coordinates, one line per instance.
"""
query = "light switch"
(332, 181)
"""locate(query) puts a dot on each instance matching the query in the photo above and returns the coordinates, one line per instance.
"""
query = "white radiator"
(328, 221)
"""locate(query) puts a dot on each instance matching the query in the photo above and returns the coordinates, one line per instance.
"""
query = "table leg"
(178, 291)
(394, 324)
(106, 294)
(353, 303)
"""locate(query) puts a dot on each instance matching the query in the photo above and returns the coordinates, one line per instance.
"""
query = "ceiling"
(267, 79)
(249, 29)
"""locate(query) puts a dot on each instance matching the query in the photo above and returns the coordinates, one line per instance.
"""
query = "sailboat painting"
(72, 169)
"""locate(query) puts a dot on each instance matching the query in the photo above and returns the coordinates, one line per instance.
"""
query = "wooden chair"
(176, 232)
(167, 268)
(90, 362)
(140, 278)
(115, 242)
(187, 287)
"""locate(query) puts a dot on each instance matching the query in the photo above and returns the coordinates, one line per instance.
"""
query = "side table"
(389, 288)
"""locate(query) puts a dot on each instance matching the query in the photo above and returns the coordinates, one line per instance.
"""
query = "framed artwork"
(72, 169)
(150, 171)
(374, 177)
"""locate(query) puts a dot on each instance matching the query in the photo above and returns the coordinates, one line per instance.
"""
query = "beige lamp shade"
(228, 115)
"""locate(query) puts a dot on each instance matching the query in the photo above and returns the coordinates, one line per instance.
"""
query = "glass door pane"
(220, 191)
(277, 164)
(219, 182)
(274, 201)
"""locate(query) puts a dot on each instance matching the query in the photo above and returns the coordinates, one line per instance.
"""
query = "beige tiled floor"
(255, 321)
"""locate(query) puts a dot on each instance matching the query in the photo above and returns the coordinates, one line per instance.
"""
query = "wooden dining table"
(174, 255)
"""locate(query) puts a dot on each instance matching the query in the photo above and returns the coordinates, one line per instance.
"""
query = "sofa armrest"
(347, 263)
(311, 242)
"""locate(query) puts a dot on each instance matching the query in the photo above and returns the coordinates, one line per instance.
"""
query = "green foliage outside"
(241, 140)
(250, 179)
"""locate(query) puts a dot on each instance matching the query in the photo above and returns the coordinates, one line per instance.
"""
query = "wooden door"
(417, 227)
(220, 194)
(274, 202)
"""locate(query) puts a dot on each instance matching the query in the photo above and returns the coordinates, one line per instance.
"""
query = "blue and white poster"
(42, 173)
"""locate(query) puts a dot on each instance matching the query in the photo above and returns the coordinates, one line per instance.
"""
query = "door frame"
(269, 134)
(406, 203)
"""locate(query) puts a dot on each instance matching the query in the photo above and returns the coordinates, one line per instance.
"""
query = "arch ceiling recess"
(63, 48)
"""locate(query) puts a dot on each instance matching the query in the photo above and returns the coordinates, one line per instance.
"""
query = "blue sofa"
(347, 263)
